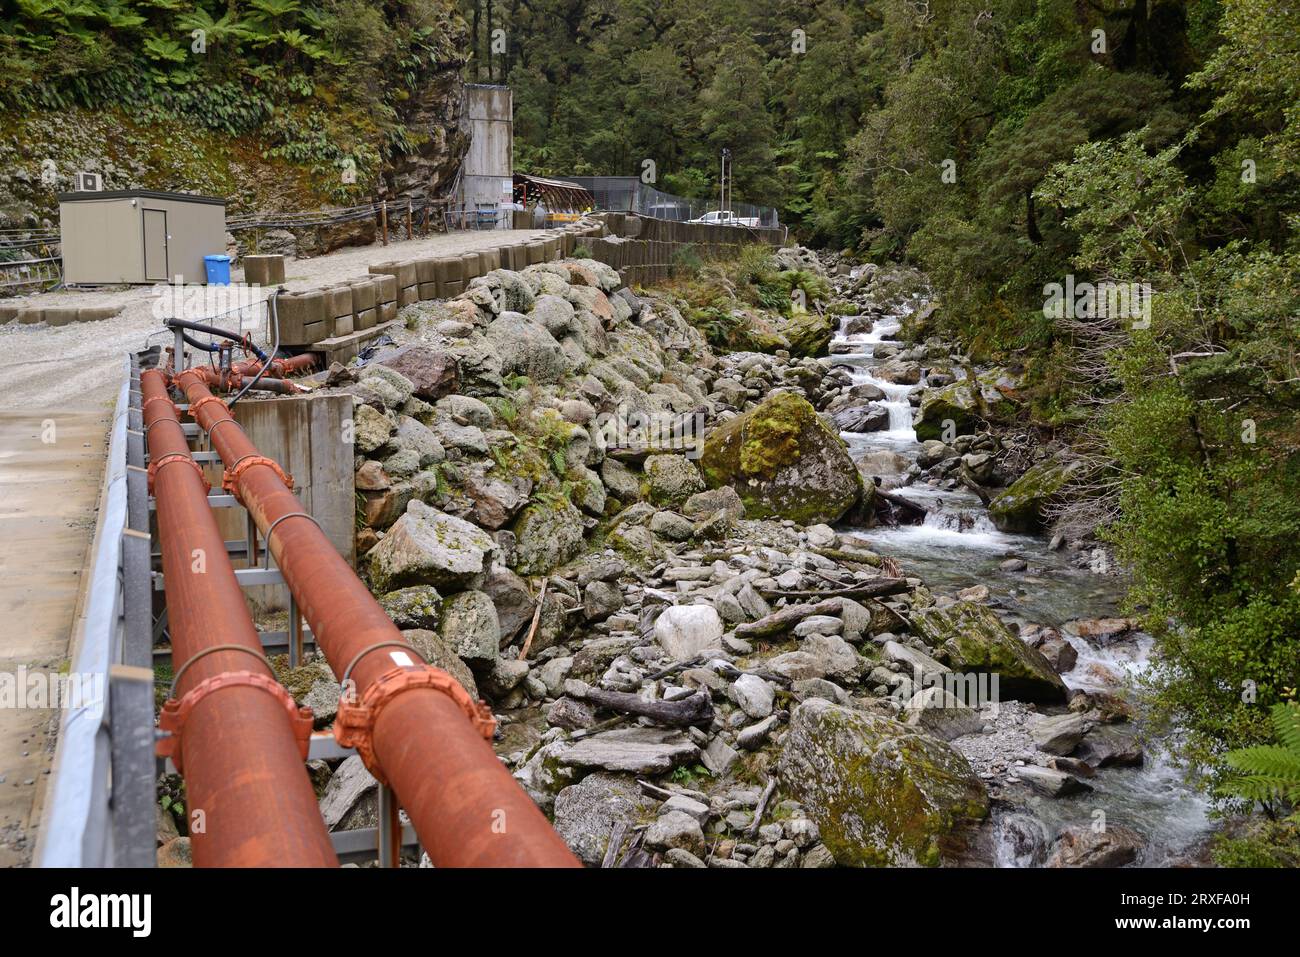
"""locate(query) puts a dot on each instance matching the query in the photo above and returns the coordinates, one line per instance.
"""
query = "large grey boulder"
(976, 640)
(429, 547)
(419, 606)
(784, 461)
(586, 812)
(526, 348)
(513, 600)
(1083, 847)
(470, 627)
(672, 479)
(685, 630)
(881, 794)
(547, 535)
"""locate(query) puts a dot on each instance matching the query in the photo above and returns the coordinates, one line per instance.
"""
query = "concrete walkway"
(49, 493)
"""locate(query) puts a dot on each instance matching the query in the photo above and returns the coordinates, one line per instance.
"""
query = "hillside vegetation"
(275, 103)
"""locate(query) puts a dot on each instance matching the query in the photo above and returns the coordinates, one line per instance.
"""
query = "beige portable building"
(139, 236)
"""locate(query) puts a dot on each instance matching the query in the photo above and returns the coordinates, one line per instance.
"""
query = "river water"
(957, 547)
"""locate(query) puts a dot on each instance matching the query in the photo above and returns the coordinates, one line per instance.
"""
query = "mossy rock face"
(1020, 508)
(975, 640)
(784, 462)
(960, 404)
(809, 334)
(881, 794)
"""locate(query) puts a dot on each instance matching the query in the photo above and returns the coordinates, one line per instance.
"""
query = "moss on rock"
(881, 794)
(975, 640)
(1020, 508)
(784, 462)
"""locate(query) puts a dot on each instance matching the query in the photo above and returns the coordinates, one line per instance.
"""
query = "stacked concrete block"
(408, 290)
(365, 302)
(264, 270)
(426, 279)
(338, 305)
(59, 315)
(386, 297)
(302, 317)
(488, 260)
(450, 273)
(469, 267)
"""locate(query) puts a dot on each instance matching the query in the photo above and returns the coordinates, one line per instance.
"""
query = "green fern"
(1270, 772)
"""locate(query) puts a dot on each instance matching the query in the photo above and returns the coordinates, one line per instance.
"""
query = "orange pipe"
(249, 800)
(465, 806)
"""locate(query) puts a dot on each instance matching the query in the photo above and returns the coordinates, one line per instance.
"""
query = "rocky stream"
(741, 609)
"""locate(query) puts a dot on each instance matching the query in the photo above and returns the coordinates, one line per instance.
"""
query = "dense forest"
(1001, 146)
(1004, 145)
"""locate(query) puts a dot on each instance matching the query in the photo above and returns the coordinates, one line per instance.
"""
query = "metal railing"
(29, 259)
(100, 811)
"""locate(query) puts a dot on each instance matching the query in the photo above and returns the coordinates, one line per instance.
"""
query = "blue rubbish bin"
(218, 268)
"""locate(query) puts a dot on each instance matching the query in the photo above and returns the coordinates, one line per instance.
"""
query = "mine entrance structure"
(228, 726)
(563, 202)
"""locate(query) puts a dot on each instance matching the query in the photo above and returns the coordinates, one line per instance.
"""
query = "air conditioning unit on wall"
(88, 182)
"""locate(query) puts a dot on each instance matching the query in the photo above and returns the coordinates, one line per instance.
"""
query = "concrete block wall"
(644, 250)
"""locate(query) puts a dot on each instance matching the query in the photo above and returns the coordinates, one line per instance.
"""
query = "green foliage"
(1270, 773)
(319, 82)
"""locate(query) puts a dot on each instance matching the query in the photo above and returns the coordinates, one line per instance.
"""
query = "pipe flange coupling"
(157, 464)
(174, 713)
(230, 478)
(354, 724)
(194, 409)
(160, 398)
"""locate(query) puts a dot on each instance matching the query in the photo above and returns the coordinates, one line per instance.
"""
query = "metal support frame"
(101, 810)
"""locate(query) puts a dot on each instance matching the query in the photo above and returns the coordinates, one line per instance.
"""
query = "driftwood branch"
(881, 588)
(537, 617)
(695, 709)
(755, 824)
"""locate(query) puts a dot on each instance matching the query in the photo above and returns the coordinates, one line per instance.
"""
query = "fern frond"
(1286, 723)
(1269, 760)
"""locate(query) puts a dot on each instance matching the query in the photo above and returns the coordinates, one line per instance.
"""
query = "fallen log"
(881, 588)
(786, 618)
(696, 709)
(903, 505)
(862, 557)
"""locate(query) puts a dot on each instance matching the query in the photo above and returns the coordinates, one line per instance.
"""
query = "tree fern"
(1270, 772)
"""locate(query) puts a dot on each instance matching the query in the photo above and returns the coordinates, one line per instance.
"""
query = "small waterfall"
(960, 520)
(958, 546)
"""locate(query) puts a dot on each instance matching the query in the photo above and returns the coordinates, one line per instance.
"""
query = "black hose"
(273, 316)
(213, 331)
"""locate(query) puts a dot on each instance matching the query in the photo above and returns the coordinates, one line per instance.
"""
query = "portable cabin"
(139, 236)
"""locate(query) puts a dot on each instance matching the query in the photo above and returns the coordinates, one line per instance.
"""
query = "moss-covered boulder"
(1021, 507)
(784, 462)
(974, 639)
(881, 794)
(965, 406)
(548, 533)
(809, 334)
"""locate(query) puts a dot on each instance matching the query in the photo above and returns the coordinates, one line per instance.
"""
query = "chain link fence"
(628, 194)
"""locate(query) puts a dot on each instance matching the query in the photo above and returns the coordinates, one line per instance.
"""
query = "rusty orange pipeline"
(233, 379)
(412, 724)
(235, 734)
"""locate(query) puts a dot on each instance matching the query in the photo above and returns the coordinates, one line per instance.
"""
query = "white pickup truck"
(725, 217)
